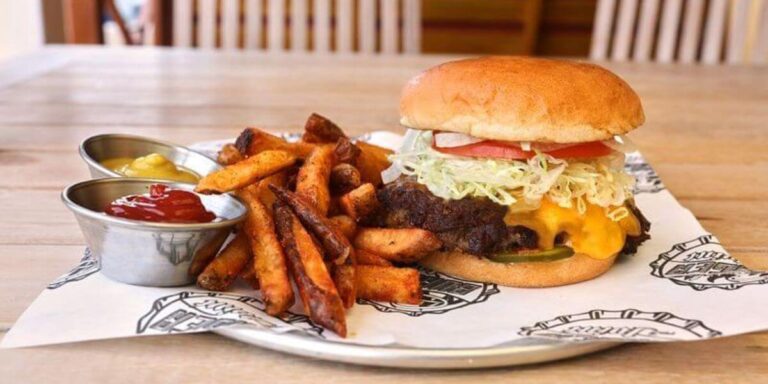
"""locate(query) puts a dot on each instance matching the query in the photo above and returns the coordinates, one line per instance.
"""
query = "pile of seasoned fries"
(305, 200)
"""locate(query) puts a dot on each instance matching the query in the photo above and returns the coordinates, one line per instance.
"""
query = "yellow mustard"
(153, 166)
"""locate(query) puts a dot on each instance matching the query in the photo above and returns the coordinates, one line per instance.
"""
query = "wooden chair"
(289, 29)
(83, 21)
(501, 26)
(707, 31)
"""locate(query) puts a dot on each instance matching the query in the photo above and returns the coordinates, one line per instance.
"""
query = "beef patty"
(632, 242)
(472, 225)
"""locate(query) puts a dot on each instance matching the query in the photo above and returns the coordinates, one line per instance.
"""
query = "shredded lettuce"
(520, 184)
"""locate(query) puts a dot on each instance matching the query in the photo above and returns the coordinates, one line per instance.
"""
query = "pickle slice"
(531, 256)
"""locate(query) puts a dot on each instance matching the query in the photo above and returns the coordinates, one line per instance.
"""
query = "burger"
(517, 165)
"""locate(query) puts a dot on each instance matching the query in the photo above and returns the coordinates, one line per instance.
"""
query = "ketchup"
(162, 205)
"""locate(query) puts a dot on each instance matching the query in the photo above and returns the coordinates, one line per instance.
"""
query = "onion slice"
(621, 143)
(452, 139)
(391, 174)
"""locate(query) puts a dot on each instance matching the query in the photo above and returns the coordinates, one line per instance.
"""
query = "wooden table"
(706, 134)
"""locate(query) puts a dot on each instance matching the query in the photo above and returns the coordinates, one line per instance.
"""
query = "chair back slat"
(254, 10)
(182, 23)
(691, 34)
(276, 25)
(344, 26)
(737, 32)
(760, 52)
(388, 26)
(366, 25)
(601, 31)
(670, 22)
(687, 31)
(646, 30)
(230, 24)
(412, 26)
(321, 23)
(206, 25)
(713, 31)
(299, 20)
(625, 24)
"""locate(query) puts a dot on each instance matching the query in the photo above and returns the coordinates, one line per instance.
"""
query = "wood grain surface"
(706, 135)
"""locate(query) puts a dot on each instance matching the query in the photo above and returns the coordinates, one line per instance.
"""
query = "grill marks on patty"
(472, 225)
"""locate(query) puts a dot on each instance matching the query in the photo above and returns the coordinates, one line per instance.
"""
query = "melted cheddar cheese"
(592, 233)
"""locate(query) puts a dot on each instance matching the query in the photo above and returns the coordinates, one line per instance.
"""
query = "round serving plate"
(520, 352)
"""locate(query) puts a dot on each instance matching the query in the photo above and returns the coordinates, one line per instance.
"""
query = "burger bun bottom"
(574, 269)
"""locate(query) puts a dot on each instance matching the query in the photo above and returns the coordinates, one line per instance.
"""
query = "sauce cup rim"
(140, 224)
(96, 164)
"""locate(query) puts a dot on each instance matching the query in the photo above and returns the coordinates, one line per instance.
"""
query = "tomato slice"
(488, 148)
(512, 151)
(591, 149)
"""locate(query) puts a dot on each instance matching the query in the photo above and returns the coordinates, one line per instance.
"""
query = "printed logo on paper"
(440, 294)
(701, 264)
(203, 311)
(620, 325)
(646, 179)
(87, 266)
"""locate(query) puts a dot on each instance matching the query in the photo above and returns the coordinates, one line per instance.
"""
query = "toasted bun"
(521, 99)
(574, 269)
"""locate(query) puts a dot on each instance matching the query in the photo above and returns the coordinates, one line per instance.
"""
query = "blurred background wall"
(550, 27)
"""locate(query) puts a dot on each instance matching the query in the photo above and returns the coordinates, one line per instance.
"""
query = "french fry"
(346, 152)
(269, 262)
(246, 172)
(359, 202)
(346, 225)
(317, 290)
(262, 188)
(372, 161)
(336, 245)
(248, 274)
(401, 245)
(369, 258)
(313, 178)
(344, 278)
(223, 270)
(334, 209)
(396, 285)
(253, 141)
(320, 129)
(228, 155)
(206, 253)
(291, 181)
(344, 178)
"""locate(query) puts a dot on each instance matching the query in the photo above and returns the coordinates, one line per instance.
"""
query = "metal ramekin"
(147, 253)
(109, 146)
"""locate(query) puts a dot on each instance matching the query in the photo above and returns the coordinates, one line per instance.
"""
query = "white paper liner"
(681, 285)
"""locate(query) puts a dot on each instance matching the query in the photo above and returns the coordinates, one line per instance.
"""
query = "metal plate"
(526, 351)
